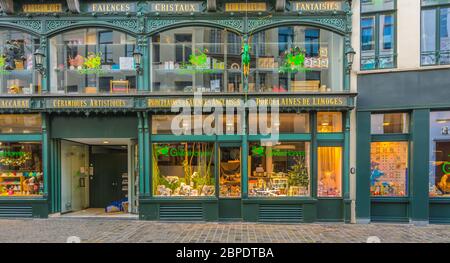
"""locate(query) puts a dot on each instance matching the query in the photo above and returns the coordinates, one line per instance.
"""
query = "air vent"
(280, 213)
(16, 211)
(181, 212)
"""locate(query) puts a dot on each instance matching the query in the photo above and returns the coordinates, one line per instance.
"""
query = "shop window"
(227, 124)
(296, 59)
(329, 122)
(389, 123)
(435, 32)
(368, 6)
(285, 123)
(389, 169)
(92, 61)
(21, 169)
(17, 72)
(196, 59)
(20, 123)
(329, 172)
(230, 172)
(439, 154)
(183, 169)
(279, 170)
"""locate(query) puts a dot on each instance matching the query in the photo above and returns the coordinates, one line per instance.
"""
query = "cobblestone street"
(97, 230)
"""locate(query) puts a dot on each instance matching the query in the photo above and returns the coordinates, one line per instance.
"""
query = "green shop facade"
(87, 95)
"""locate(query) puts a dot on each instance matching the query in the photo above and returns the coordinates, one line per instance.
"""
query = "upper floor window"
(378, 34)
(296, 59)
(196, 59)
(92, 61)
(17, 74)
(435, 32)
(389, 123)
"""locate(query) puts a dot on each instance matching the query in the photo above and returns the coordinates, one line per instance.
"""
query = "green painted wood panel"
(363, 166)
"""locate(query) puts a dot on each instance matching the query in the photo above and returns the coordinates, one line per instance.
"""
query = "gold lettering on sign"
(168, 103)
(90, 103)
(317, 6)
(301, 101)
(245, 7)
(174, 7)
(110, 8)
(14, 104)
(42, 8)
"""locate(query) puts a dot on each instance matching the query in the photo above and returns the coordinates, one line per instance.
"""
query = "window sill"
(394, 70)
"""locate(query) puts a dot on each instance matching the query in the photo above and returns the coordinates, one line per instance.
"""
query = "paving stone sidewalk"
(99, 230)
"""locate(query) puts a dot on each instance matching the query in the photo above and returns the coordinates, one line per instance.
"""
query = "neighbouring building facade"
(88, 91)
(403, 111)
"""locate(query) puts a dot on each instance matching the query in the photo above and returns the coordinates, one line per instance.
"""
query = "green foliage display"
(298, 173)
(293, 61)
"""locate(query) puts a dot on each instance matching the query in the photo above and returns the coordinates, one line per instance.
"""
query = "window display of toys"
(21, 183)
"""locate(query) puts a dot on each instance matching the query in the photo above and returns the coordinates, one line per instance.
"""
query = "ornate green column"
(45, 153)
(346, 172)
(141, 153)
(45, 86)
(147, 154)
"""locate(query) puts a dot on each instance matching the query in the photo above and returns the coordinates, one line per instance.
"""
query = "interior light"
(105, 142)
(325, 124)
(386, 123)
(442, 121)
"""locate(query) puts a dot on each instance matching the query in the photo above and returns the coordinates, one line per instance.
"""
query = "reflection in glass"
(439, 176)
(230, 172)
(192, 59)
(285, 123)
(279, 170)
(92, 61)
(389, 168)
(21, 169)
(329, 122)
(297, 59)
(183, 169)
(389, 123)
(20, 123)
(428, 31)
(17, 72)
(329, 172)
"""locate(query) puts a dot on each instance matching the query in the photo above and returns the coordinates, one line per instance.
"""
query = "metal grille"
(181, 212)
(281, 213)
(16, 211)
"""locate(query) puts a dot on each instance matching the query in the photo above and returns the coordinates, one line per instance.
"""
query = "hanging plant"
(198, 63)
(15, 161)
(92, 64)
(293, 61)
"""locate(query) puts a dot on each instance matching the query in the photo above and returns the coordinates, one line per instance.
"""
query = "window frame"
(437, 46)
(394, 137)
(376, 36)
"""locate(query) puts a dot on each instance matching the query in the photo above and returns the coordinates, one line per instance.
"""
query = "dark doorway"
(109, 164)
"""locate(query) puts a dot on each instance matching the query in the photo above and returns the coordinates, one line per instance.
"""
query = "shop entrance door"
(110, 167)
(230, 186)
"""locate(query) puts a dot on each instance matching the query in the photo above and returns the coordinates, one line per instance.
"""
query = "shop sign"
(14, 103)
(191, 102)
(314, 6)
(260, 152)
(246, 7)
(178, 152)
(121, 7)
(42, 8)
(309, 101)
(93, 103)
(177, 7)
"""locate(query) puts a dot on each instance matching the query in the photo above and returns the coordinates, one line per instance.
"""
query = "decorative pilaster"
(45, 77)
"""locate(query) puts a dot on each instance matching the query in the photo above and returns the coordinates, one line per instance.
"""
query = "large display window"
(296, 59)
(92, 61)
(17, 72)
(20, 123)
(21, 169)
(389, 169)
(329, 174)
(196, 59)
(439, 175)
(183, 169)
(230, 172)
(280, 170)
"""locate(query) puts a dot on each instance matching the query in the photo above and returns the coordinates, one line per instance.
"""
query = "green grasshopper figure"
(246, 59)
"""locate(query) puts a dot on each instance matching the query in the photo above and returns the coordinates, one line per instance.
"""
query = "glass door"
(230, 184)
